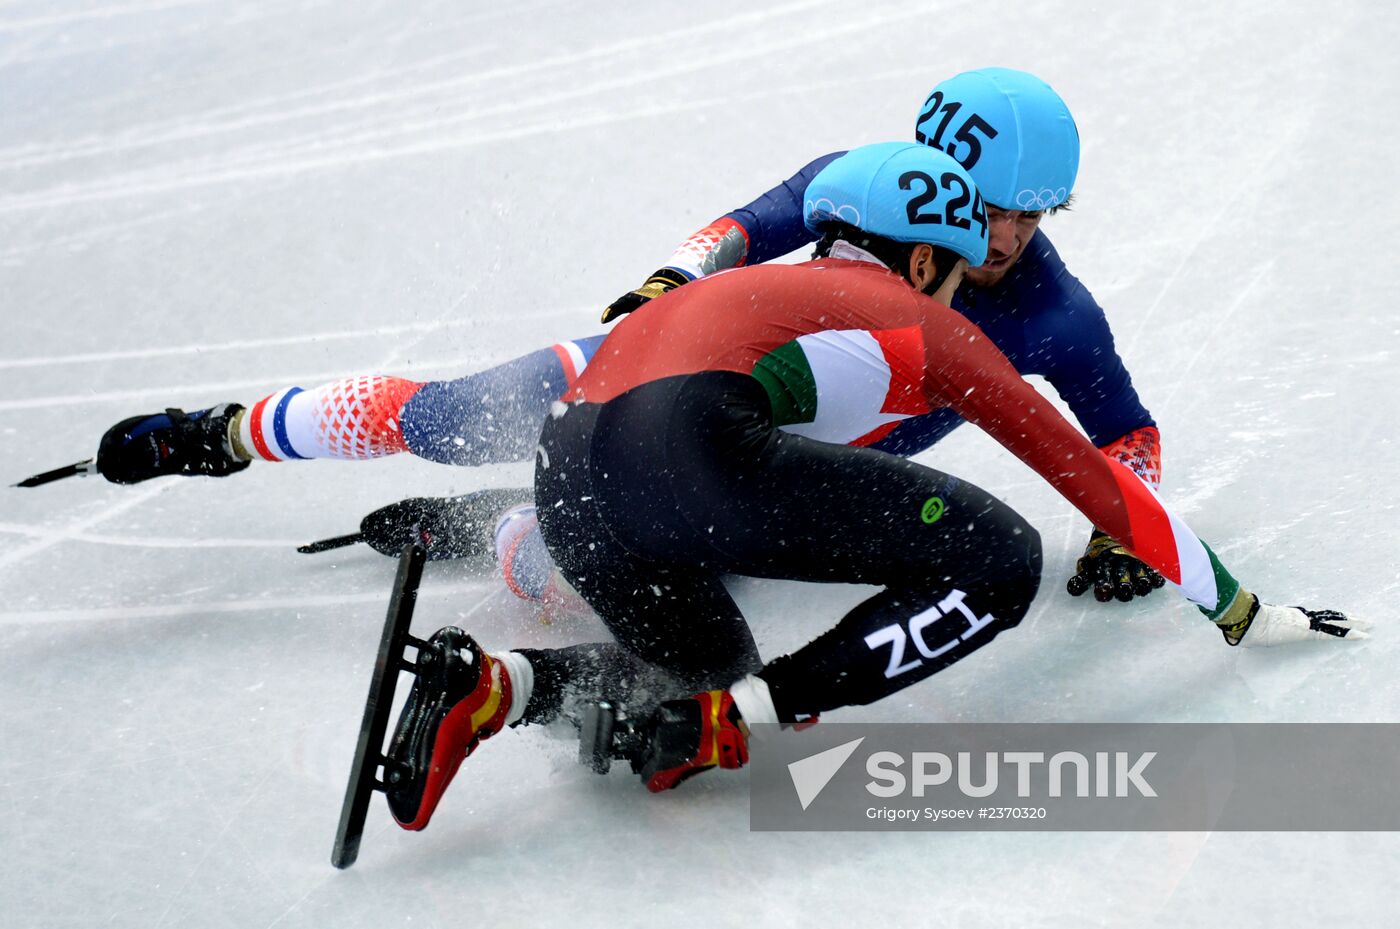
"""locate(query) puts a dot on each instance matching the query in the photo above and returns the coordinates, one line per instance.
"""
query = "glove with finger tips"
(662, 281)
(1264, 624)
(1112, 572)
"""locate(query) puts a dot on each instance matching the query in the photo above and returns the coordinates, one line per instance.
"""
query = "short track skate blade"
(325, 545)
(79, 469)
(595, 737)
(369, 750)
(605, 737)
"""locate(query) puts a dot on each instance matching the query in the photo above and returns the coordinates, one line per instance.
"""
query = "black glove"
(665, 279)
(446, 527)
(1107, 567)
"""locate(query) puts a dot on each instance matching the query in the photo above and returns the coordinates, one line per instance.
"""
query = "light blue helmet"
(902, 191)
(1010, 130)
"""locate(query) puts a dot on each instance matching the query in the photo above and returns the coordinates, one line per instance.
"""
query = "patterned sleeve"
(767, 228)
(1141, 451)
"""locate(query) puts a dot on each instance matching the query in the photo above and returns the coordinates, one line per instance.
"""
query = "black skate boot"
(173, 442)
(450, 527)
(445, 527)
(460, 696)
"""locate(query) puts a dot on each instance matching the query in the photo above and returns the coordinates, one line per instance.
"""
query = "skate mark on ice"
(95, 233)
(267, 604)
(106, 12)
(215, 121)
(377, 332)
(445, 369)
(322, 150)
(64, 534)
(39, 532)
(241, 118)
(1209, 343)
(1206, 230)
(214, 804)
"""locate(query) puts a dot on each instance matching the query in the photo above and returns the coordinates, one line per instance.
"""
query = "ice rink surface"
(204, 201)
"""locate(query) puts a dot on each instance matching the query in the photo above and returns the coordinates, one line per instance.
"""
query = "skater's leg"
(490, 416)
(669, 611)
(564, 679)
(493, 415)
(354, 418)
(957, 565)
(715, 485)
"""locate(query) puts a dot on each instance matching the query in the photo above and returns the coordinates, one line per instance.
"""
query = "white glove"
(1281, 625)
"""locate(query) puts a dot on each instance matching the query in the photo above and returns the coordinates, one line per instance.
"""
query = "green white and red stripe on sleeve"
(968, 373)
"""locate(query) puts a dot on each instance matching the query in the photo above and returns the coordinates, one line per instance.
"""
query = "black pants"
(647, 500)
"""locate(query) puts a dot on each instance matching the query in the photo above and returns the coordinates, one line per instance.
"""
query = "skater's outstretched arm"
(968, 373)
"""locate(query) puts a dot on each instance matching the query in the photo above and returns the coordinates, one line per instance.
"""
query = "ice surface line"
(98, 232)
(445, 368)
(106, 12)
(240, 116)
(278, 159)
(173, 393)
(182, 130)
(1209, 343)
(312, 601)
(443, 322)
(40, 532)
(135, 499)
(214, 843)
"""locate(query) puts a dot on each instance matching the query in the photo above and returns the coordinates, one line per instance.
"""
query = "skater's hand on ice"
(662, 281)
(1282, 625)
(1107, 567)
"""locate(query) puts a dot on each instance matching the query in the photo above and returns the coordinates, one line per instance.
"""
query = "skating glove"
(1107, 567)
(662, 281)
(1265, 625)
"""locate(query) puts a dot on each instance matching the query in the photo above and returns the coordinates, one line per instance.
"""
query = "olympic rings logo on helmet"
(1042, 199)
(902, 191)
(825, 208)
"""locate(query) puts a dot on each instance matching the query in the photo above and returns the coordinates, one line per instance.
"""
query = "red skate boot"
(692, 735)
(460, 696)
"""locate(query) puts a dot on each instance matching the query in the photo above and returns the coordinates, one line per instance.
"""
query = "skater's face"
(1008, 234)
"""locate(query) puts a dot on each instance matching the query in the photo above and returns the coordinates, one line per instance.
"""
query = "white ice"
(203, 201)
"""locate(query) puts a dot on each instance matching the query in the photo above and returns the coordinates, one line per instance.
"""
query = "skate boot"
(173, 442)
(460, 696)
(446, 527)
(692, 735)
